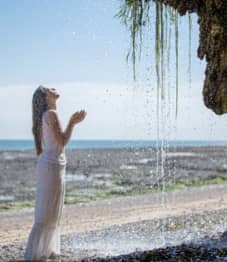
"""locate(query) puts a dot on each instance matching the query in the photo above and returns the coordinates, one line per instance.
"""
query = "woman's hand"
(78, 116)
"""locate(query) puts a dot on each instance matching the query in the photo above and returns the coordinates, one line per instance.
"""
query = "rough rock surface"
(212, 19)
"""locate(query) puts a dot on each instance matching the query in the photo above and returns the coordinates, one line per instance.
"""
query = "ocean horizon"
(27, 144)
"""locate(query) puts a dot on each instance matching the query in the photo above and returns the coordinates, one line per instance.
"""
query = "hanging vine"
(176, 55)
(189, 49)
(135, 15)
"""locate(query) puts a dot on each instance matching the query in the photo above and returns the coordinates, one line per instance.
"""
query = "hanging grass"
(176, 55)
(131, 13)
(189, 49)
(135, 14)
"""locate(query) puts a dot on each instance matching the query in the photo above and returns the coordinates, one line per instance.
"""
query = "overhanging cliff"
(212, 20)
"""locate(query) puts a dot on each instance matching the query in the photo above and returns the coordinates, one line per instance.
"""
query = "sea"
(8, 144)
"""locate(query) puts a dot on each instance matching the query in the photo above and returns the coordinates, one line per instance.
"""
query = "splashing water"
(135, 15)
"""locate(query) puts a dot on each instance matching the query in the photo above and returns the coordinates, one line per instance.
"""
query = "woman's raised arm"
(62, 137)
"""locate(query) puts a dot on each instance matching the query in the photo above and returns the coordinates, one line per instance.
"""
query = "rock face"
(212, 19)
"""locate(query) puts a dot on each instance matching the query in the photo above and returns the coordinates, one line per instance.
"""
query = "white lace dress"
(44, 237)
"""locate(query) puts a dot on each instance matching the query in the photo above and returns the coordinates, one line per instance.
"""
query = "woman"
(50, 141)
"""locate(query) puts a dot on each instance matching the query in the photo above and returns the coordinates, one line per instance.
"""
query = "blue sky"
(61, 41)
(79, 48)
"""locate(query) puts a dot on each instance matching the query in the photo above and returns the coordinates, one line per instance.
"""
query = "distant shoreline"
(28, 144)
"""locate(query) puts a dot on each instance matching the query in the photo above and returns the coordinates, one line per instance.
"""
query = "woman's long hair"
(39, 106)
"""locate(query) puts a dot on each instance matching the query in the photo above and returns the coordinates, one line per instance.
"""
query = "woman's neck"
(51, 106)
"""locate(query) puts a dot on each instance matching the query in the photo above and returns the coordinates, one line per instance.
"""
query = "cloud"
(114, 112)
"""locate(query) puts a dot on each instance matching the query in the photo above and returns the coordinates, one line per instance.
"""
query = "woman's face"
(52, 94)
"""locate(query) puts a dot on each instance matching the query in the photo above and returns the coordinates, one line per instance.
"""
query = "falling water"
(166, 37)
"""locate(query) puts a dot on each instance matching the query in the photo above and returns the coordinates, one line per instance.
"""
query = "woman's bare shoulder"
(50, 115)
(50, 112)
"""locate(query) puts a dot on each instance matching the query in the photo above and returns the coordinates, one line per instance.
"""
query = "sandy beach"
(102, 229)
(116, 195)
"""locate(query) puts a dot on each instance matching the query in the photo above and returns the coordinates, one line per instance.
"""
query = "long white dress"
(44, 237)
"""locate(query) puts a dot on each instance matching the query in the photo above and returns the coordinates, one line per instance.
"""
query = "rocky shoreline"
(102, 173)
